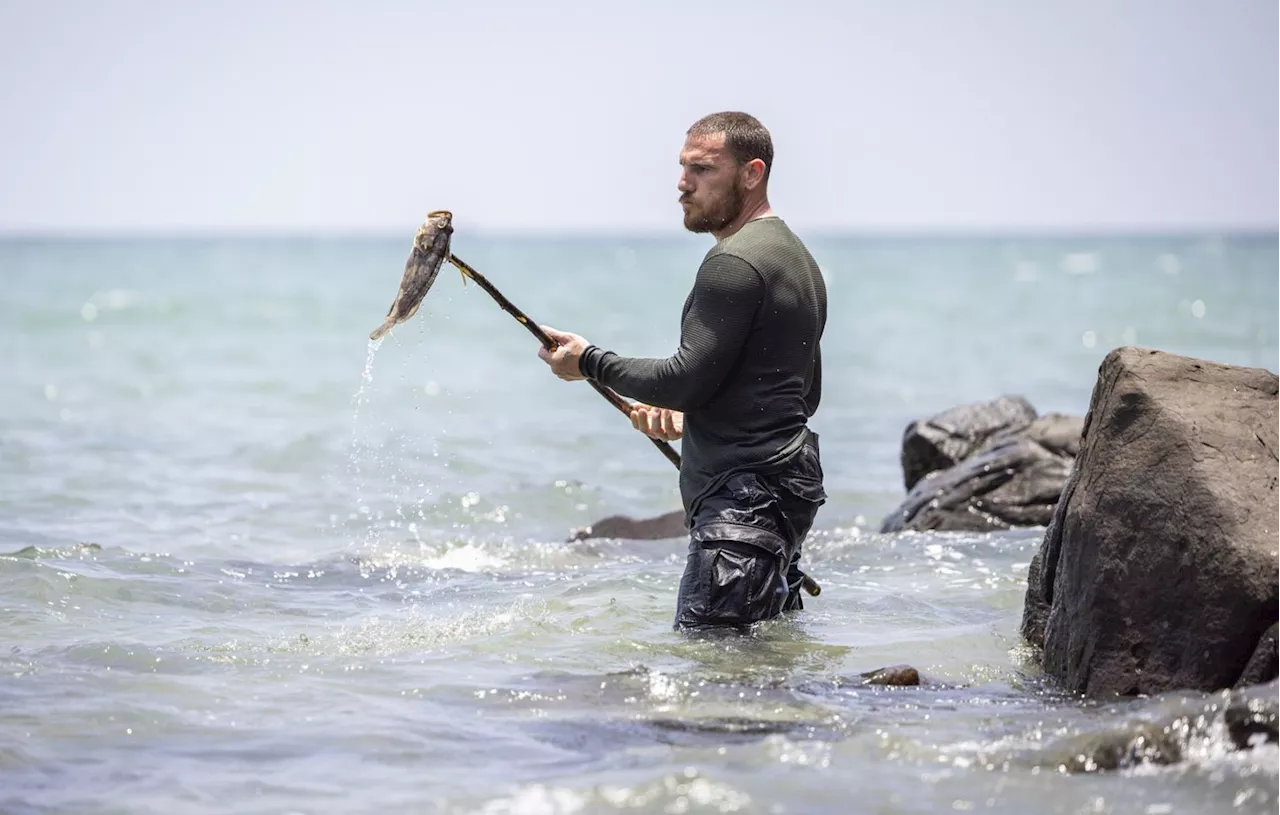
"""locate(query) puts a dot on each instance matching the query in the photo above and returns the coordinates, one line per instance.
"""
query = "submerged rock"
(1117, 747)
(1158, 570)
(669, 525)
(1251, 715)
(993, 465)
(895, 675)
(1166, 729)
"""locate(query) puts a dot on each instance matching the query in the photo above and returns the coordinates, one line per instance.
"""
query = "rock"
(1166, 730)
(670, 525)
(1158, 570)
(1262, 665)
(896, 675)
(1057, 432)
(1013, 480)
(944, 440)
(1251, 715)
(1114, 748)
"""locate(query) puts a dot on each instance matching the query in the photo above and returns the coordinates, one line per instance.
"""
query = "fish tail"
(381, 331)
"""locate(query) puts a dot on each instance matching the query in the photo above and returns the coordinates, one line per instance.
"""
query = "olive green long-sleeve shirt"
(748, 371)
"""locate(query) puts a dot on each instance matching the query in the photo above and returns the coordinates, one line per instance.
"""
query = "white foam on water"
(465, 557)
(685, 791)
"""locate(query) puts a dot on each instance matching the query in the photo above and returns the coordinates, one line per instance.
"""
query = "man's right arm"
(726, 295)
(813, 396)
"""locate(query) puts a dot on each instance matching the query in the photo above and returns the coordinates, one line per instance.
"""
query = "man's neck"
(749, 213)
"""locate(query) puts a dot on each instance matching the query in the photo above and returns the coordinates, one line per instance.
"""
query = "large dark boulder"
(1158, 570)
(1004, 468)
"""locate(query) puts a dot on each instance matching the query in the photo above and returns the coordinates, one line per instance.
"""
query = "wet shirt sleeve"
(722, 307)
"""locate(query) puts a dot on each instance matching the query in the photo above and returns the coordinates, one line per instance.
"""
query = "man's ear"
(754, 173)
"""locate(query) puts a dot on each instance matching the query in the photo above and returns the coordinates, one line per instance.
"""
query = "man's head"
(725, 165)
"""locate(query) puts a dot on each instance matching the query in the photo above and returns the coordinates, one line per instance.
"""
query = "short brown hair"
(744, 136)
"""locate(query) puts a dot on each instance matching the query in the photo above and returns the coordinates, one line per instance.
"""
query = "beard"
(718, 212)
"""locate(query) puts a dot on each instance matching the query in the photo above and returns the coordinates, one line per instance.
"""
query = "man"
(739, 390)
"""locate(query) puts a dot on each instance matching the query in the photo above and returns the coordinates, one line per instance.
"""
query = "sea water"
(251, 562)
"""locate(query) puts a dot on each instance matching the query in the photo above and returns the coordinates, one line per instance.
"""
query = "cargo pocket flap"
(739, 533)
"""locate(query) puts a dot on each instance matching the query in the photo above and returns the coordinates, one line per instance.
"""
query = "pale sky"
(569, 115)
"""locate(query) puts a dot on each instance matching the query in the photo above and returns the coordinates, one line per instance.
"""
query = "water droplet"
(1025, 271)
(1129, 336)
(89, 312)
(1197, 309)
(432, 388)
(51, 391)
(1089, 339)
(1081, 263)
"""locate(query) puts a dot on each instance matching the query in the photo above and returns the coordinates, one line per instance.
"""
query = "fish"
(430, 251)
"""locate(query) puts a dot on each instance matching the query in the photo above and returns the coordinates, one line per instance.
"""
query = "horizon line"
(642, 233)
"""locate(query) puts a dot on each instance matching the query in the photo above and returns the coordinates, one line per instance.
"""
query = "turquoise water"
(251, 563)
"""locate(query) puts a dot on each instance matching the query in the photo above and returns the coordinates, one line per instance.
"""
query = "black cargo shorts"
(743, 564)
